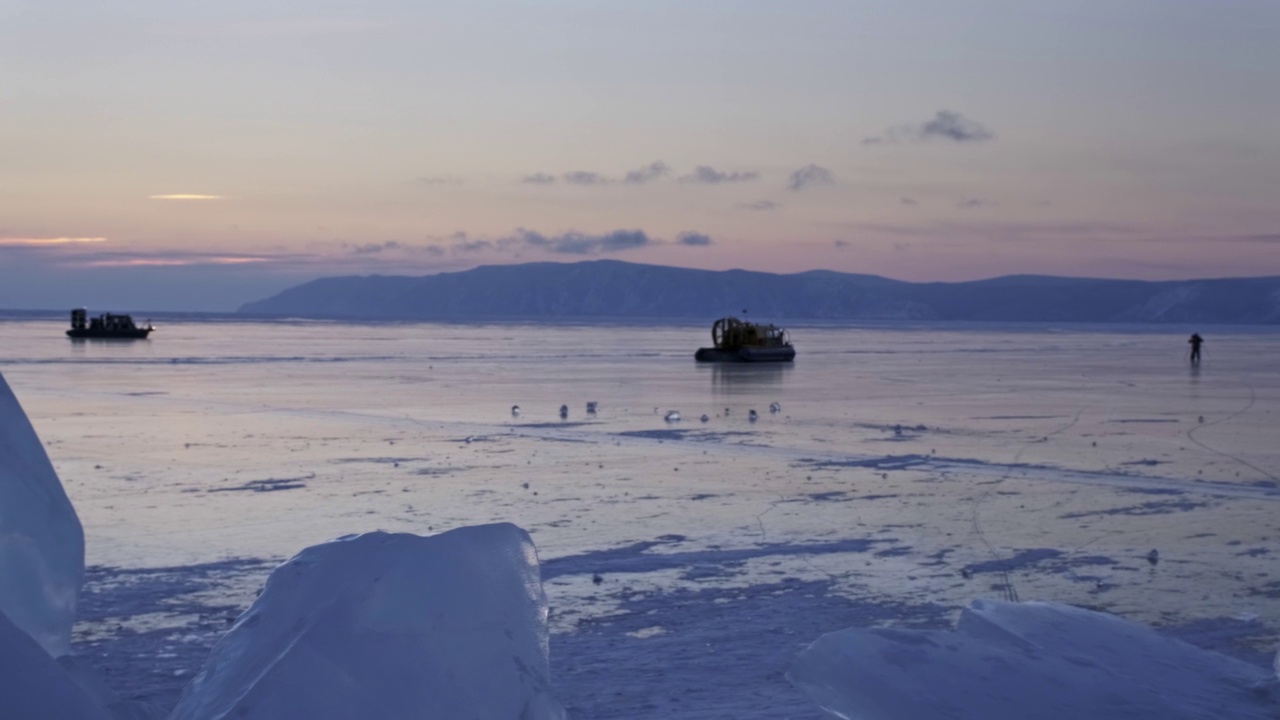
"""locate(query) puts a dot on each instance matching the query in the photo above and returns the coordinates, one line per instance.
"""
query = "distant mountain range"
(613, 289)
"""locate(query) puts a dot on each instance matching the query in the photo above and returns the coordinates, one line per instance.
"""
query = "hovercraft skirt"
(746, 354)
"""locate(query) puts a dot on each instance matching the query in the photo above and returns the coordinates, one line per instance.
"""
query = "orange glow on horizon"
(31, 242)
(175, 262)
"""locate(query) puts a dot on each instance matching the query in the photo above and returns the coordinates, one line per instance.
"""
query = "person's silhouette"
(1196, 341)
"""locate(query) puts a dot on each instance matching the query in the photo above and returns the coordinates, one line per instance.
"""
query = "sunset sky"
(198, 155)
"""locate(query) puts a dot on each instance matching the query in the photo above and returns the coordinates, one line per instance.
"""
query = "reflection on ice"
(747, 378)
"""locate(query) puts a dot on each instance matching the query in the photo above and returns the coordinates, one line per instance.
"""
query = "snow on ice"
(41, 542)
(387, 625)
(1083, 454)
(1008, 661)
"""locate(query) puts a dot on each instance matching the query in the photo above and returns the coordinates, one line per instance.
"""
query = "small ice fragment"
(596, 579)
(775, 408)
(1153, 557)
(705, 418)
(672, 416)
(591, 407)
(564, 411)
(515, 411)
(752, 416)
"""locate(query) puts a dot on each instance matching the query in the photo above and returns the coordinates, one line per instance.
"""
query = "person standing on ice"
(1195, 341)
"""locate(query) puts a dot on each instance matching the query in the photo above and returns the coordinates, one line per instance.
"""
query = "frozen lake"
(907, 471)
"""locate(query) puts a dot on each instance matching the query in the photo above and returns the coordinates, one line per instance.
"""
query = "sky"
(199, 155)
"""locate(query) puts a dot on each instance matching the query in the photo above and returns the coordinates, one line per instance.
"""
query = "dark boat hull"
(90, 334)
(785, 353)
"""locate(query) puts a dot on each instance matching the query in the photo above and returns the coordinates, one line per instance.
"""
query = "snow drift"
(1009, 661)
(389, 626)
(41, 541)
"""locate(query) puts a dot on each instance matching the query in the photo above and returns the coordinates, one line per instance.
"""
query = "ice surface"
(41, 542)
(387, 625)
(1018, 660)
(33, 686)
(1050, 460)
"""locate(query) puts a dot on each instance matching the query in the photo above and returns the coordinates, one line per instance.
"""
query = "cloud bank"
(393, 247)
(584, 177)
(946, 125)
(707, 175)
(574, 243)
(653, 172)
(640, 176)
(567, 243)
(694, 239)
(648, 173)
(810, 176)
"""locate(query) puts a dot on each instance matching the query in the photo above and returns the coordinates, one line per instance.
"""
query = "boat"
(105, 327)
(741, 341)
